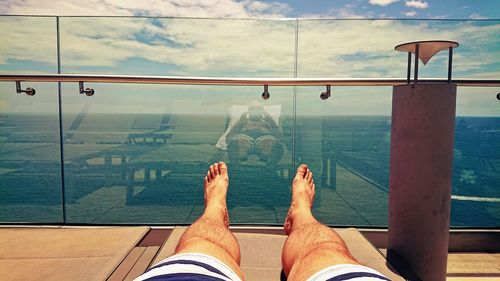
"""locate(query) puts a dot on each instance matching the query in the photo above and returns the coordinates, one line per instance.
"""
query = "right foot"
(303, 190)
(216, 183)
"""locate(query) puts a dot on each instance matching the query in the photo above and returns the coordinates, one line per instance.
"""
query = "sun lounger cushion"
(261, 252)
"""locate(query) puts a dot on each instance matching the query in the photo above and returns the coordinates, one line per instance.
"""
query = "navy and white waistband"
(348, 272)
(190, 266)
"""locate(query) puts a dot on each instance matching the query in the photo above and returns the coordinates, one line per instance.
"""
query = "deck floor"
(473, 266)
(85, 246)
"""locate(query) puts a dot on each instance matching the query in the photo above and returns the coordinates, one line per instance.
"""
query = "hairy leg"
(310, 246)
(239, 148)
(210, 233)
(269, 149)
(265, 147)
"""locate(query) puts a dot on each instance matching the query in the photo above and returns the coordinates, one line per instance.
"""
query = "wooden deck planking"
(143, 263)
(473, 266)
(65, 253)
(123, 253)
(124, 268)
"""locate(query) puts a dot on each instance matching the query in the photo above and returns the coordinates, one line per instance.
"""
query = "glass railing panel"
(476, 159)
(114, 133)
(138, 153)
(365, 48)
(30, 168)
(346, 143)
(179, 47)
(28, 44)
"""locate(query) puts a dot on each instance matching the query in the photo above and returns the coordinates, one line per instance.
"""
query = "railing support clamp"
(29, 91)
(327, 93)
(265, 94)
(87, 91)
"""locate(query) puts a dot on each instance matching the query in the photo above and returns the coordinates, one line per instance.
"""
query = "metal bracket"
(87, 91)
(327, 93)
(29, 91)
(265, 94)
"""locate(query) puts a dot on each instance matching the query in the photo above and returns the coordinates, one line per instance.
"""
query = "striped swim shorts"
(348, 272)
(190, 266)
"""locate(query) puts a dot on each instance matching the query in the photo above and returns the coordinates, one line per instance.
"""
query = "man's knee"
(204, 231)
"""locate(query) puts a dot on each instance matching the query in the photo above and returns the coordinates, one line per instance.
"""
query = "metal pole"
(450, 63)
(230, 81)
(294, 99)
(416, 63)
(408, 72)
(61, 127)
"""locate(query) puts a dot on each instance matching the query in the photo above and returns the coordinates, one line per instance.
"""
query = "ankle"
(216, 208)
(301, 213)
(301, 202)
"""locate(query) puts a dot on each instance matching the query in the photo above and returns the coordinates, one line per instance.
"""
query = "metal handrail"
(179, 80)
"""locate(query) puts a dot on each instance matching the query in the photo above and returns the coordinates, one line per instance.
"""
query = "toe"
(216, 168)
(211, 171)
(309, 177)
(301, 171)
(223, 168)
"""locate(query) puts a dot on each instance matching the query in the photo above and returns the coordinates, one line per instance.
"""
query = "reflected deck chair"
(187, 153)
(196, 142)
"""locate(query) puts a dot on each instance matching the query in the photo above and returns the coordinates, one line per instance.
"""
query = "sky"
(429, 9)
(246, 48)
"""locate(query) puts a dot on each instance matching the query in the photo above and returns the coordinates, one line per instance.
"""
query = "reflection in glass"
(30, 160)
(476, 159)
(30, 163)
(138, 153)
(346, 144)
(145, 163)
(255, 132)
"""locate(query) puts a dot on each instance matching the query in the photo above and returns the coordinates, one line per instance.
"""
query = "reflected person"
(208, 250)
(257, 133)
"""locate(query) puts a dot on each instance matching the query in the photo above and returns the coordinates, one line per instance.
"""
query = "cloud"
(382, 2)
(245, 48)
(348, 11)
(477, 16)
(417, 4)
(164, 8)
(410, 13)
(236, 47)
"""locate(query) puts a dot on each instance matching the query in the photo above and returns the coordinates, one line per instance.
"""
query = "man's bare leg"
(310, 246)
(239, 148)
(210, 233)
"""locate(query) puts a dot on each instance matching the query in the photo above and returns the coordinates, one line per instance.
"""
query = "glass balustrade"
(30, 158)
(137, 153)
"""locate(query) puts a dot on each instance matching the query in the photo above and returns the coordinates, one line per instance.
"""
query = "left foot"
(216, 183)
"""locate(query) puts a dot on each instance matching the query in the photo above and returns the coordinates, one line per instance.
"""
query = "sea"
(149, 169)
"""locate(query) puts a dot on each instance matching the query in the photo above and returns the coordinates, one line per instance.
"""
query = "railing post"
(423, 122)
(422, 133)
